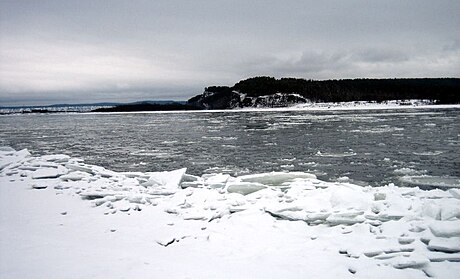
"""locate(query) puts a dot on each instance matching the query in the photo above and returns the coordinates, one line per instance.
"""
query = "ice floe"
(427, 181)
(345, 229)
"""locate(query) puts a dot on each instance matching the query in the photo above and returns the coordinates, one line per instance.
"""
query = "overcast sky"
(91, 51)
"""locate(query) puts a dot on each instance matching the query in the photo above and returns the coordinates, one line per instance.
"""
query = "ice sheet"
(77, 220)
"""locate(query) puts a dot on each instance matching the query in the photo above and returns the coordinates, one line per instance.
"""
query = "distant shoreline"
(344, 106)
(323, 107)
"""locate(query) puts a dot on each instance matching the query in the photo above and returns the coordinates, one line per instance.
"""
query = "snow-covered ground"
(62, 218)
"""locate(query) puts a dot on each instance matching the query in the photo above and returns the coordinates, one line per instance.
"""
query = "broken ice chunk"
(445, 228)
(440, 257)
(288, 215)
(74, 176)
(244, 188)
(216, 180)
(405, 240)
(455, 193)
(80, 167)
(44, 173)
(410, 262)
(61, 158)
(450, 245)
(276, 178)
(345, 218)
(166, 179)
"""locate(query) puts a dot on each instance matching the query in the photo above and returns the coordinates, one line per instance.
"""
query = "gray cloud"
(131, 50)
(380, 55)
(355, 63)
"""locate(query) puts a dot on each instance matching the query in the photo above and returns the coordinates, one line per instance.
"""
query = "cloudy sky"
(90, 51)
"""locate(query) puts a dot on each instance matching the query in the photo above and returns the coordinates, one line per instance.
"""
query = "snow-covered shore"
(362, 105)
(339, 106)
(62, 218)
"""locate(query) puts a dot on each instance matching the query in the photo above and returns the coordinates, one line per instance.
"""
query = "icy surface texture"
(345, 229)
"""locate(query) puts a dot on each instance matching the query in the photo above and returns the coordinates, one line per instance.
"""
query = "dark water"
(369, 147)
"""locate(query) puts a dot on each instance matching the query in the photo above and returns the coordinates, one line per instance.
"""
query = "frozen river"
(410, 146)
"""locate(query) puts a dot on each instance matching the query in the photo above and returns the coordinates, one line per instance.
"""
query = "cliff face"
(224, 99)
(234, 99)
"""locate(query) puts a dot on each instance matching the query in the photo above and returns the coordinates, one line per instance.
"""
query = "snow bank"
(174, 225)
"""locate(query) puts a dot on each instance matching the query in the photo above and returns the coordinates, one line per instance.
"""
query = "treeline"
(440, 90)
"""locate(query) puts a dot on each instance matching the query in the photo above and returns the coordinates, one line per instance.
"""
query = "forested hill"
(256, 90)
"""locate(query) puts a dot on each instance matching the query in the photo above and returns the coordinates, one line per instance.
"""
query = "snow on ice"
(61, 218)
